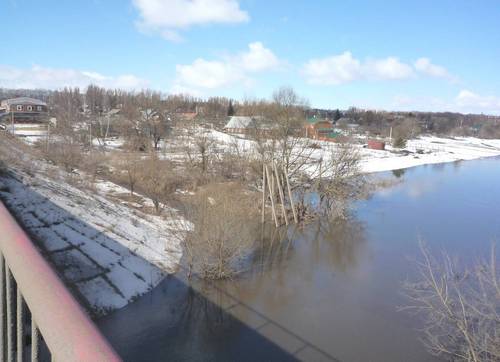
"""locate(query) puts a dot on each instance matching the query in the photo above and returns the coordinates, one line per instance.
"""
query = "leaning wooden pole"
(271, 194)
(295, 217)
(280, 192)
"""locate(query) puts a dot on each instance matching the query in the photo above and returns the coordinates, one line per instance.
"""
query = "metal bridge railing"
(32, 293)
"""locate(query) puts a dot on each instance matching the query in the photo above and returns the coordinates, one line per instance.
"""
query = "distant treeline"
(97, 100)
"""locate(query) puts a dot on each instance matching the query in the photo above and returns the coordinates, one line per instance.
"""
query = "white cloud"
(208, 74)
(344, 68)
(424, 66)
(334, 70)
(478, 103)
(420, 103)
(466, 101)
(258, 58)
(213, 74)
(387, 69)
(55, 78)
(168, 16)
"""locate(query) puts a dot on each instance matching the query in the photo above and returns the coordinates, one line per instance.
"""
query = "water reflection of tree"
(338, 243)
(202, 319)
(196, 308)
(276, 244)
(399, 173)
(457, 164)
(205, 329)
(439, 166)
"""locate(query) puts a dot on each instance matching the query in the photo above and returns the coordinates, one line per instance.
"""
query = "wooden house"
(23, 110)
(319, 129)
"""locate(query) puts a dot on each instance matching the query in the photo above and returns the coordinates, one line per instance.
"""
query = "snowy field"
(420, 151)
(109, 253)
(430, 150)
(29, 132)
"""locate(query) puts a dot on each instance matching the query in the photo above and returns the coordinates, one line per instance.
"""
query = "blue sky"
(396, 55)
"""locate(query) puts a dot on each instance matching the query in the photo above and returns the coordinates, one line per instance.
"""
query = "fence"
(31, 293)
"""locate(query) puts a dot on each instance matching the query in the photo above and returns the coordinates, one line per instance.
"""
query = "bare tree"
(95, 99)
(130, 164)
(67, 108)
(204, 145)
(152, 121)
(158, 181)
(290, 148)
(147, 120)
(94, 163)
(64, 151)
(460, 307)
(339, 181)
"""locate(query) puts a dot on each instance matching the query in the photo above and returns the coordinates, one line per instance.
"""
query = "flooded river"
(330, 293)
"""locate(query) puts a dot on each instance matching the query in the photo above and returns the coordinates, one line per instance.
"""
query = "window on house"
(19, 108)
(38, 108)
(30, 108)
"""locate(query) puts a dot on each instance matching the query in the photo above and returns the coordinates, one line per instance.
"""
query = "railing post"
(2, 308)
(20, 326)
(35, 341)
(10, 315)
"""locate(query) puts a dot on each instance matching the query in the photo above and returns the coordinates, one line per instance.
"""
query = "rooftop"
(240, 122)
(24, 100)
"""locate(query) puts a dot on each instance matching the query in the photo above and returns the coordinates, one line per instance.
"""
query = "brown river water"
(330, 292)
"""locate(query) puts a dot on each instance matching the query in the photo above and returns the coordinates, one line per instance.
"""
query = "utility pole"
(90, 136)
(12, 129)
(48, 136)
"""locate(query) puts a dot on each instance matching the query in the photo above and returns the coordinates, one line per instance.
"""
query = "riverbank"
(422, 150)
(428, 150)
(107, 252)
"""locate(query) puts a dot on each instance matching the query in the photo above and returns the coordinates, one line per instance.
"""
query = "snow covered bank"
(420, 151)
(109, 253)
(429, 150)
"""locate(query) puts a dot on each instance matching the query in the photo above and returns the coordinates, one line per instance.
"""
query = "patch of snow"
(111, 253)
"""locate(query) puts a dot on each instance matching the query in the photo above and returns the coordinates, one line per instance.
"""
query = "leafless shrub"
(129, 166)
(230, 166)
(222, 232)
(94, 163)
(158, 181)
(233, 164)
(490, 131)
(136, 142)
(404, 131)
(399, 142)
(65, 152)
(460, 307)
(342, 182)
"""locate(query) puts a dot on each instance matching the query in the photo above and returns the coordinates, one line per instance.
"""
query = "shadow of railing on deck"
(173, 321)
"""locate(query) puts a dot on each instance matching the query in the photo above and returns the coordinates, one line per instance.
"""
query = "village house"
(240, 124)
(256, 126)
(23, 110)
(319, 129)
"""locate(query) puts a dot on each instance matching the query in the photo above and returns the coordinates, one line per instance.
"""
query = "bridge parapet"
(30, 291)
